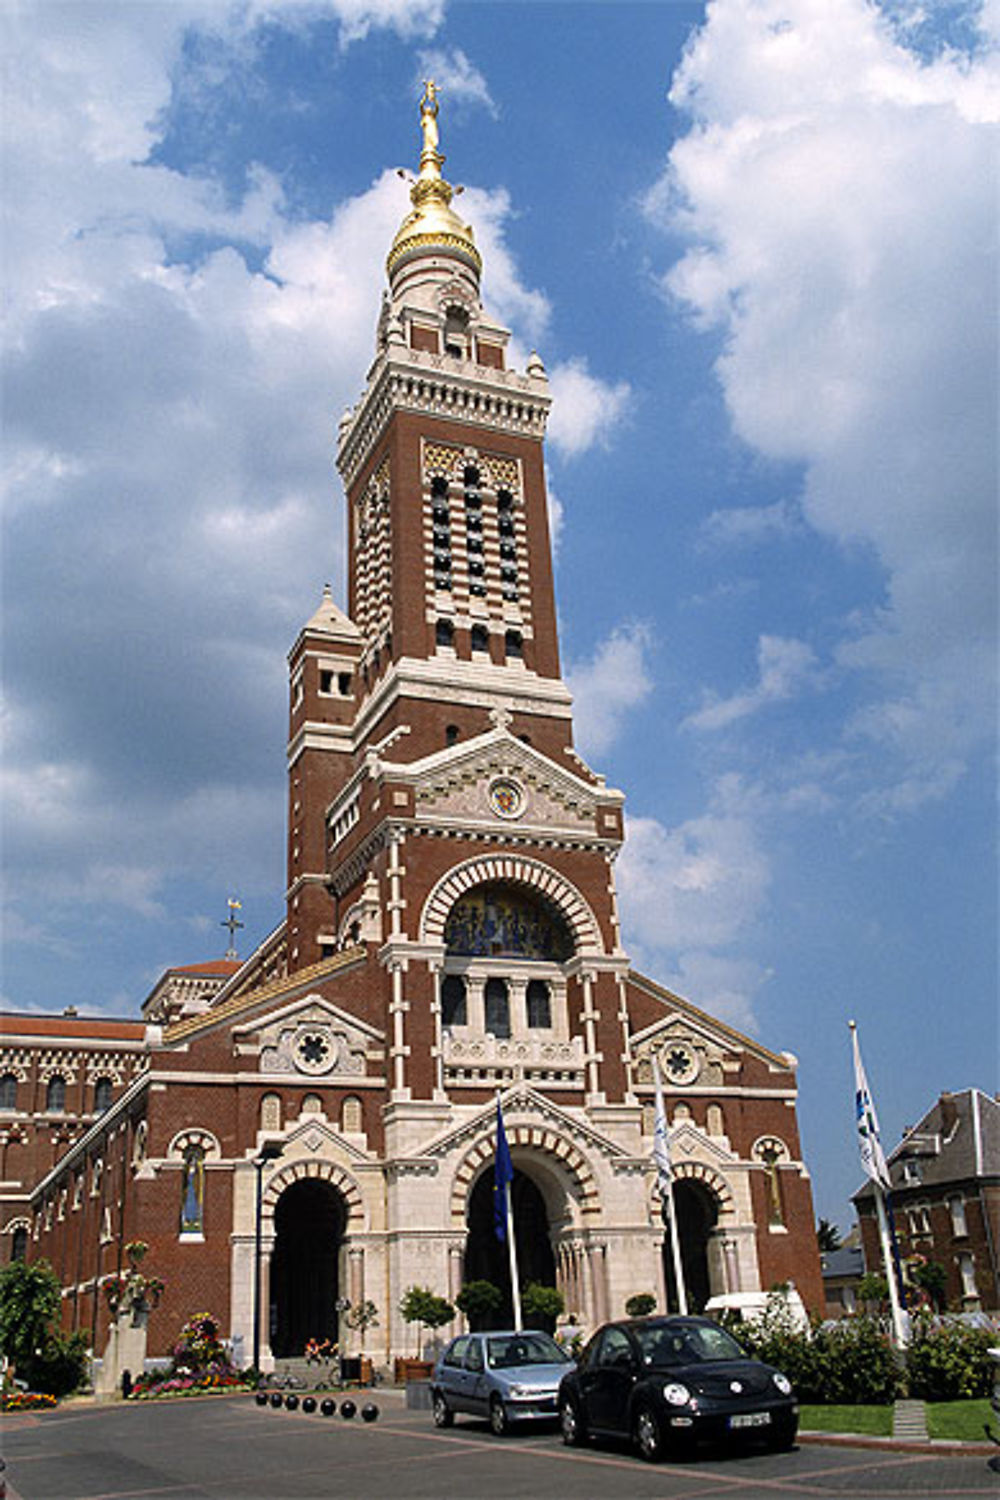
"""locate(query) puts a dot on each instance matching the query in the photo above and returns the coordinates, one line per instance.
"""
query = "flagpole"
(875, 1165)
(515, 1285)
(661, 1153)
(504, 1226)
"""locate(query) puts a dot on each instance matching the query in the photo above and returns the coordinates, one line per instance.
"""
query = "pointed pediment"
(496, 779)
(518, 1102)
(311, 1038)
(688, 1143)
(314, 1136)
(712, 1043)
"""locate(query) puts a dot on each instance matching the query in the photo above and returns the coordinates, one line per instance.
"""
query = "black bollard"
(291, 1403)
(126, 1384)
(369, 1412)
(328, 1407)
(261, 1398)
(276, 1400)
(347, 1410)
(309, 1404)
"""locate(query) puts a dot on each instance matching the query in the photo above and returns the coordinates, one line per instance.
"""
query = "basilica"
(319, 1121)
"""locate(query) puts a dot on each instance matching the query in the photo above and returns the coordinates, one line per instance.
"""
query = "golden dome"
(432, 223)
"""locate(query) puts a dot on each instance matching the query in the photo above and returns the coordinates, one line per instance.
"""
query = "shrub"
(948, 1361)
(480, 1301)
(542, 1304)
(60, 1367)
(848, 1362)
(29, 1305)
(641, 1305)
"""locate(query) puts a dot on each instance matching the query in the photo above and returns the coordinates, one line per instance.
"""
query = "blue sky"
(755, 245)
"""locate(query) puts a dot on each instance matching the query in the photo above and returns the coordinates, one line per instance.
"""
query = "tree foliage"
(425, 1308)
(480, 1301)
(542, 1304)
(828, 1235)
(640, 1305)
(29, 1306)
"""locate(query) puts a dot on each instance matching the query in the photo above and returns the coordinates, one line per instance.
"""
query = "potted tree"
(480, 1301)
(422, 1306)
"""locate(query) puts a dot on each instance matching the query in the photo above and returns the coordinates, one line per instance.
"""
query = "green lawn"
(960, 1420)
(957, 1421)
(872, 1421)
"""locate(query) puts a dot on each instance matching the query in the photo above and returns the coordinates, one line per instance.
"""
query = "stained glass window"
(193, 1192)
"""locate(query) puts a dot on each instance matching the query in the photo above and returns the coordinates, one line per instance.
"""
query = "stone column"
(590, 1032)
(598, 1288)
(731, 1262)
(356, 1274)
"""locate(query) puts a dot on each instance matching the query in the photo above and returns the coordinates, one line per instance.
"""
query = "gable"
(713, 1048)
(311, 1038)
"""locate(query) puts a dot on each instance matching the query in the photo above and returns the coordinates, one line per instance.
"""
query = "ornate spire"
(432, 226)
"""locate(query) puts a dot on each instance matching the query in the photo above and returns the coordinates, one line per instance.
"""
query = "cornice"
(415, 380)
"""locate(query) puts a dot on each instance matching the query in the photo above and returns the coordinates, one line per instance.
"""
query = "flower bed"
(26, 1401)
(152, 1387)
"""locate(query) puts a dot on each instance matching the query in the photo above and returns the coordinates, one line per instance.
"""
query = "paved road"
(230, 1449)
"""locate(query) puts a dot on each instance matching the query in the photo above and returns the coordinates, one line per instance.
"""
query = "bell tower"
(449, 557)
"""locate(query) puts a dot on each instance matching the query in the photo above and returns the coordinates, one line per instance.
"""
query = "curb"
(933, 1447)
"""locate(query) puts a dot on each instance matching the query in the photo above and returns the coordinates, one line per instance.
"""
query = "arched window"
(454, 1011)
(480, 638)
(497, 1009)
(452, 734)
(193, 1193)
(351, 1118)
(270, 1112)
(714, 1121)
(507, 919)
(471, 477)
(439, 485)
(444, 633)
(8, 1091)
(102, 1095)
(513, 645)
(19, 1243)
(539, 1004)
(55, 1094)
(312, 1104)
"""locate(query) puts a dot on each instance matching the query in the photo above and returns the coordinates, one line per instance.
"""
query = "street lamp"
(269, 1152)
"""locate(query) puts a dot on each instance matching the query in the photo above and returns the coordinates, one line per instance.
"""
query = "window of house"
(959, 1225)
(513, 645)
(454, 1008)
(967, 1271)
(351, 1119)
(505, 501)
(911, 1172)
(439, 485)
(8, 1091)
(19, 1243)
(539, 1004)
(714, 1121)
(480, 638)
(344, 684)
(452, 734)
(102, 1095)
(444, 633)
(497, 1008)
(270, 1112)
(325, 680)
(470, 477)
(55, 1095)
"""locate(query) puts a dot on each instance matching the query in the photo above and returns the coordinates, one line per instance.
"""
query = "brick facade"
(451, 933)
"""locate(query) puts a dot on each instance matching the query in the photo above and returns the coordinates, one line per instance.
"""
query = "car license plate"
(751, 1419)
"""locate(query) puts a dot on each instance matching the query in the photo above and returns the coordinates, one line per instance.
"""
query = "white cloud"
(743, 525)
(585, 409)
(690, 894)
(785, 667)
(838, 194)
(615, 680)
(457, 77)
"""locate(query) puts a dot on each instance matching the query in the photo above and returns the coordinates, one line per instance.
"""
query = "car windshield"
(506, 1351)
(686, 1344)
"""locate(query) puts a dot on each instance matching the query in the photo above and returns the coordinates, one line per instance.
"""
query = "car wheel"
(499, 1421)
(574, 1433)
(647, 1435)
(443, 1414)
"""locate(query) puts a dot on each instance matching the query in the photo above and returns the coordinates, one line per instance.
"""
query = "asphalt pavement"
(228, 1448)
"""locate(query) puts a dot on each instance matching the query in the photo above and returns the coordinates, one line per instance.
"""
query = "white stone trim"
(563, 895)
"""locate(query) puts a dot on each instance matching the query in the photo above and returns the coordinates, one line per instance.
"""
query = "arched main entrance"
(697, 1214)
(488, 1259)
(309, 1220)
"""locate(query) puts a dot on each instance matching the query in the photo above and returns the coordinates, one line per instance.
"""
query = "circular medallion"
(314, 1052)
(506, 797)
(680, 1062)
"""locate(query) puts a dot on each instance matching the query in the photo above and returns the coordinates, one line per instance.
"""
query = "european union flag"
(503, 1175)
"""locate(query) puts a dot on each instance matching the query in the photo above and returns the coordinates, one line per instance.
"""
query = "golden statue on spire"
(428, 118)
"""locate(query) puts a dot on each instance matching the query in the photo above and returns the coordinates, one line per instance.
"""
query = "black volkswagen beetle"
(669, 1383)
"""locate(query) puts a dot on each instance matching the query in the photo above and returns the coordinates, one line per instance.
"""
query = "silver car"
(505, 1376)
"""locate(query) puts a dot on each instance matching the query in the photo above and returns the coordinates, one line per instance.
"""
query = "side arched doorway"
(488, 1259)
(309, 1220)
(697, 1214)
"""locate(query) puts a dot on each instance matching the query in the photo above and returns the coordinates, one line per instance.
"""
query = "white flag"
(872, 1155)
(661, 1139)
